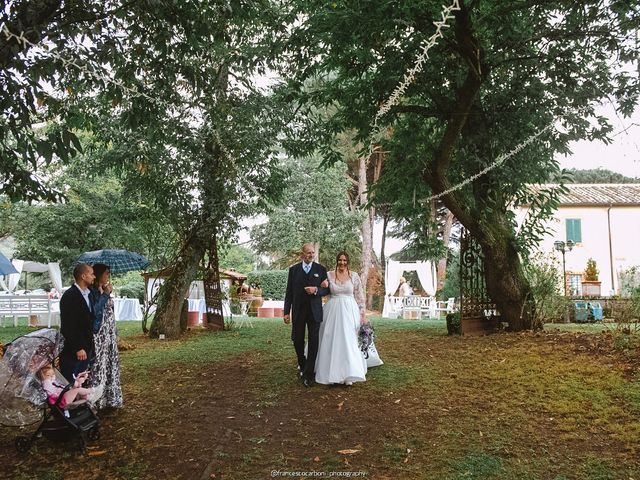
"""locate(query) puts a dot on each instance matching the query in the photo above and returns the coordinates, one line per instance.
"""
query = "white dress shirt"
(85, 294)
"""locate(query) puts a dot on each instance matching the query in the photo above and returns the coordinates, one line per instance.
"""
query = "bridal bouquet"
(365, 338)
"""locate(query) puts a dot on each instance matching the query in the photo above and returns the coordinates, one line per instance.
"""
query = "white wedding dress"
(339, 357)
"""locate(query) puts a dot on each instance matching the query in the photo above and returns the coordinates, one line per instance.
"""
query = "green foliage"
(99, 213)
(541, 204)
(132, 290)
(236, 257)
(451, 286)
(25, 69)
(314, 208)
(598, 469)
(272, 282)
(596, 175)
(635, 305)
(545, 277)
(629, 281)
(591, 272)
(503, 72)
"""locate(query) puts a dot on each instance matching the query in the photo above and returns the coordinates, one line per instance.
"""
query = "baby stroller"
(23, 401)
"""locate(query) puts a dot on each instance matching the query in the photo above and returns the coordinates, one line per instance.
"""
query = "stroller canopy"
(21, 393)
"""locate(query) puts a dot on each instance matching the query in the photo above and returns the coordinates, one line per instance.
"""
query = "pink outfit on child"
(54, 390)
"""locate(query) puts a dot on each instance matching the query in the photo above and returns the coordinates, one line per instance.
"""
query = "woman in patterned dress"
(105, 369)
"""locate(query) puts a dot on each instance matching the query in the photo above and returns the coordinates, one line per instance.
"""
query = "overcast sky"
(621, 155)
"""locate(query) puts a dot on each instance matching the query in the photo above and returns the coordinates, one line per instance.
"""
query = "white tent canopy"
(393, 272)
(53, 268)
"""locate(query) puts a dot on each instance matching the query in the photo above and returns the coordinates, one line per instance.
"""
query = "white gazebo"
(10, 282)
(393, 272)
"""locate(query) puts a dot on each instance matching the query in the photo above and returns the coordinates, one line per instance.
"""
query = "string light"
(21, 39)
(410, 75)
(499, 161)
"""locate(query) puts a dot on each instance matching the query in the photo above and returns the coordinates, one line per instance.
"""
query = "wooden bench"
(25, 306)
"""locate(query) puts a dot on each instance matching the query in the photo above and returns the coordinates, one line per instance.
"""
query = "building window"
(574, 230)
(574, 282)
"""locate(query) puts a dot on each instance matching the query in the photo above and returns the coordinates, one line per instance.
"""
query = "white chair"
(245, 319)
(411, 307)
(395, 307)
(448, 306)
(425, 306)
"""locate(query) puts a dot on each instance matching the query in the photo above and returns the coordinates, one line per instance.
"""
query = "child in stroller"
(25, 372)
(62, 396)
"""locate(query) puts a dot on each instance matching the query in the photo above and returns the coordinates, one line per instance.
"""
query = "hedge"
(272, 282)
(132, 290)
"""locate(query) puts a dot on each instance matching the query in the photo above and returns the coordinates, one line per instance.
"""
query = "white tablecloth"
(200, 305)
(127, 309)
(273, 304)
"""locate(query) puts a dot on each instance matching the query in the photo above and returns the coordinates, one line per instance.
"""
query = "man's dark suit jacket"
(296, 299)
(76, 322)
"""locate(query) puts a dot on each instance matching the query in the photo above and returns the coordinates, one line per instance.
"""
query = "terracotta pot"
(193, 319)
(265, 312)
(255, 304)
(591, 288)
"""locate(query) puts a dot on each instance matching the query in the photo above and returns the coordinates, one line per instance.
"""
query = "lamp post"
(563, 247)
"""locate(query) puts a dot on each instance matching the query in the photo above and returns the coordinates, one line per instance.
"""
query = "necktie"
(306, 268)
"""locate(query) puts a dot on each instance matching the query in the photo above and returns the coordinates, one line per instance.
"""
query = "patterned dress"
(106, 364)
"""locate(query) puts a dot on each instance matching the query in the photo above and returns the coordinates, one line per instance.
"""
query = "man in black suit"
(76, 323)
(303, 301)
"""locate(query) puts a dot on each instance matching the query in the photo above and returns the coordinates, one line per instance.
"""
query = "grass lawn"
(560, 404)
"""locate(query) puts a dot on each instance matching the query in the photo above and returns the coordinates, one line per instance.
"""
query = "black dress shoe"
(307, 383)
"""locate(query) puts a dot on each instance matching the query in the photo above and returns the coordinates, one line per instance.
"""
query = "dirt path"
(435, 402)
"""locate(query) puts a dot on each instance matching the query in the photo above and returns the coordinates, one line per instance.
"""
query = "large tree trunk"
(367, 222)
(508, 287)
(442, 263)
(385, 224)
(175, 289)
(506, 284)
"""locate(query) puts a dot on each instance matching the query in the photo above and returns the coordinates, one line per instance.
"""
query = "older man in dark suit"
(303, 300)
(76, 323)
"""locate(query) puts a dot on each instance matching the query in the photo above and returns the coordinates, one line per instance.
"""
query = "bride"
(339, 358)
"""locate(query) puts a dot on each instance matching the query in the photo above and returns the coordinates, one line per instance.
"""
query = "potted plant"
(590, 283)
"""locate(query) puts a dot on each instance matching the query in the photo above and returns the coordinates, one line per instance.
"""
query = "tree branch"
(31, 19)
(435, 173)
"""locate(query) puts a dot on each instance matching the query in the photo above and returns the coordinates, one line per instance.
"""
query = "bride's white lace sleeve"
(358, 291)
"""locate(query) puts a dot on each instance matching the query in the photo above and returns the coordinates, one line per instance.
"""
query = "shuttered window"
(574, 230)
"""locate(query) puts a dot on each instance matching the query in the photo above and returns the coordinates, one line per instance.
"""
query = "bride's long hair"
(342, 254)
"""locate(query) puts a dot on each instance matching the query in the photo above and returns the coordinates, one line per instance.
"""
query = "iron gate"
(477, 310)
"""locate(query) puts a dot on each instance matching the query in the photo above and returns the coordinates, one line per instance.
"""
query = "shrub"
(132, 290)
(635, 302)
(629, 281)
(272, 282)
(591, 272)
(545, 279)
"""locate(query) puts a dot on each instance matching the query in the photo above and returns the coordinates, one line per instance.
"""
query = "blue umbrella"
(6, 267)
(118, 261)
